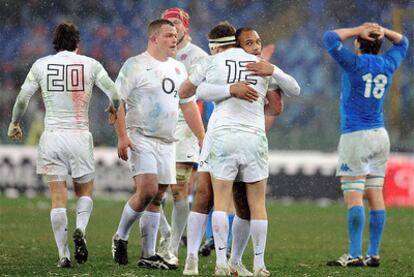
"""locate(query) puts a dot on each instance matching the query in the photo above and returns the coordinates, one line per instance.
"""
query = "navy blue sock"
(376, 227)
(231, 218)
(209, 228)
(356, 221)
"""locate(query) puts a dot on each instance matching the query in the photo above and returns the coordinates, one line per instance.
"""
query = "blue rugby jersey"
(365, 81)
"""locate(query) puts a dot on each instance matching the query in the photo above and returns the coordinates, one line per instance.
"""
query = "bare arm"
(187, 89)
(275, 103)
(364, 31)
(123, 140)
(393, 36)
(193, 118)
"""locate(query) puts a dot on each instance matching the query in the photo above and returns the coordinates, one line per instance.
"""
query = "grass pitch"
(301, 238)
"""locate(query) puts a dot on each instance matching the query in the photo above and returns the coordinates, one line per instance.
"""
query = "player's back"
(189, 55)
(66, 81)
(229, 67)
(364, 91)
(365, 81)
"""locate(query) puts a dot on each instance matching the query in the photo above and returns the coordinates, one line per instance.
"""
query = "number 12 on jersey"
(237, 72)
(380, 81)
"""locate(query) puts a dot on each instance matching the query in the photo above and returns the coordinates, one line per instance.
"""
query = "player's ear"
(356, 45)
(153, 38)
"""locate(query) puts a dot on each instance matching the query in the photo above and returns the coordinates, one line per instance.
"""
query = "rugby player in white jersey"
(187, 148)
(197, 218)
(149, 84)
(66, 80)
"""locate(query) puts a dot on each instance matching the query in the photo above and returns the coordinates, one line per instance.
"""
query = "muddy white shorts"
(152, 156)
(65, 152)
(363, 153)
(234, 152)
(187, 149)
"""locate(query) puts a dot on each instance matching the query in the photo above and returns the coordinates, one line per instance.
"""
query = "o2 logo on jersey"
(237, 72)
(69, 77)
(168, 86)
(380, 81)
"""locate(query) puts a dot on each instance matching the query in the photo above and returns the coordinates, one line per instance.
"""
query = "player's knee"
(258, 212)
(357, 185)
(156, 201)
(243, 211)
(179, 192)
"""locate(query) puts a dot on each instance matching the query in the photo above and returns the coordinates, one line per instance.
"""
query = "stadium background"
(112, 31)
(302, 235)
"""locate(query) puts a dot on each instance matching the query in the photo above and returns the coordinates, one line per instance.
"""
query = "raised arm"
(393, 36)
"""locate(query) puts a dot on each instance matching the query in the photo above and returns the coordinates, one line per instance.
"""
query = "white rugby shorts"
(187, 149)
(363, 153)
(236, 153)
(151, 156)
(65, 152)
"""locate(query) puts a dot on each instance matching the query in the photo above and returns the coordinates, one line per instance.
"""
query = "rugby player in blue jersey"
(364, 144)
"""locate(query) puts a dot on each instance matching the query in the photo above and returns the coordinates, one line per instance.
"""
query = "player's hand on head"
(111, 114)
(379, 31)
(14, 132)
(267, 52)
(243, 90)
(262, 68)
(370, 24)
(123, 144)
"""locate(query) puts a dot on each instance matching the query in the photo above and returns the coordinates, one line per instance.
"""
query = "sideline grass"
(301, 238)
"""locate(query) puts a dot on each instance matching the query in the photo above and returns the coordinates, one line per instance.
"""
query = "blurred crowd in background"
(112, 31)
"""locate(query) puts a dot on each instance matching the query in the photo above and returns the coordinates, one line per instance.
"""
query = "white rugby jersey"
(229, 67)
(189, 55)
(66, 80)
(149, 88)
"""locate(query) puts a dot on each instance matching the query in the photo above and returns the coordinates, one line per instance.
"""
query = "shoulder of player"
(237, 53)
(199, 52)
(135, 63)
(44, 59)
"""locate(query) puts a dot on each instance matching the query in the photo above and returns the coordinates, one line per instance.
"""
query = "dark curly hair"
(223, 29)
(370, 47)
(66, 37)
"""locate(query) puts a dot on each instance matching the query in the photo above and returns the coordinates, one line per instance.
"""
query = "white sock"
(165, 229)
(149, 229)
(83, 212)
(220, 223)
(178, 222)
(59, 221)
(128, 218)
(196, 226)
(241, 234)
(258, 229)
